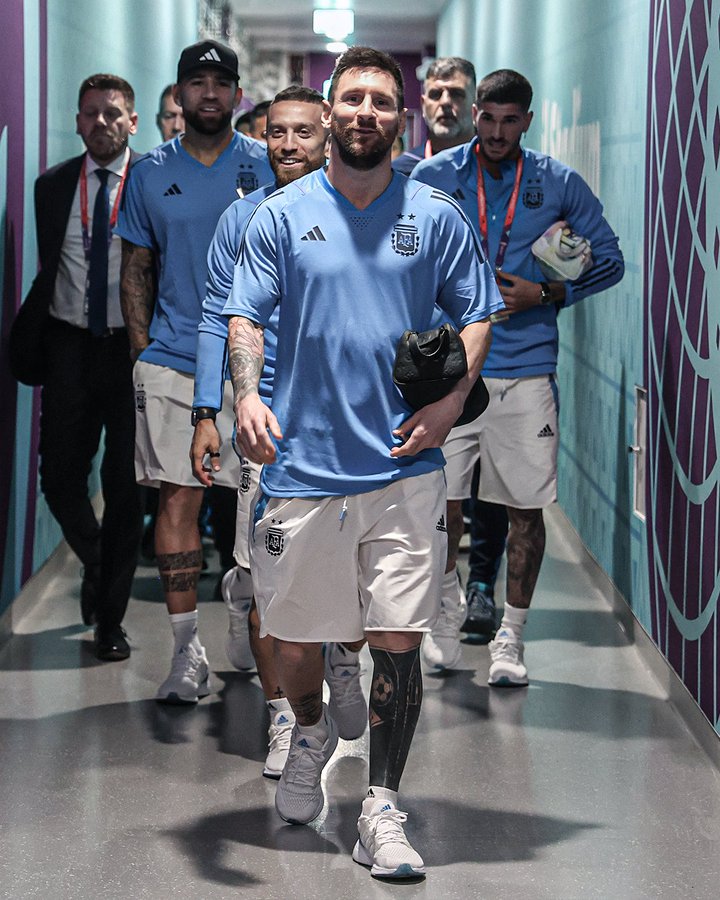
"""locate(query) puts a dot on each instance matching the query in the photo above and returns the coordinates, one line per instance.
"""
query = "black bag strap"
(435, 347)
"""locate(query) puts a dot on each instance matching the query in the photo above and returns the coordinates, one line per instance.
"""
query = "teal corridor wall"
(626, 92)
(48, 47)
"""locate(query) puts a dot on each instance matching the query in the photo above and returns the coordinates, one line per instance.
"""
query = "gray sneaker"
(480, 618)
(189, 677)
(299, 796)
(238, 603)
(347, 705)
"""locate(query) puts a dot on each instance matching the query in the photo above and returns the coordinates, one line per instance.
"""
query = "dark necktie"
(98, 277)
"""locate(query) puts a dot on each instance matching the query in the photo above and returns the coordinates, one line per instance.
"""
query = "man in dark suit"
(87, 377)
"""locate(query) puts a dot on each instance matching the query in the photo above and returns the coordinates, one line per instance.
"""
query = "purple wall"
(12, 127)
(682, 277)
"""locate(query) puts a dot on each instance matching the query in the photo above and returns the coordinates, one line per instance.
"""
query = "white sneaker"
(299, 797)
(188, 678)
(382, 844)
(347, 705)
(441, 648)
(282, 720)
(507, 668)
(234, 589)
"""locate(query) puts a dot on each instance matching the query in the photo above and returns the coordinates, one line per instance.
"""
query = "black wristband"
(202, 412)
(546, 297)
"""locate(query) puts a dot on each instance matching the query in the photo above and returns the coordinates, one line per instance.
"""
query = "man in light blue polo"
(349, 536)
(170, 211)
(512, 196)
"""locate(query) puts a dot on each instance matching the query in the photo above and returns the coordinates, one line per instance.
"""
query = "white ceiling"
(392, 25)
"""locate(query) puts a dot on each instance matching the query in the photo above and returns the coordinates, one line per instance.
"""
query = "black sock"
(395, 700)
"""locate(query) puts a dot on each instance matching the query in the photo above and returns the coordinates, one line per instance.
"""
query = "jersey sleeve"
(468, 292)
(256, 276)
(584, 212)
(133, 222)
(211, 361)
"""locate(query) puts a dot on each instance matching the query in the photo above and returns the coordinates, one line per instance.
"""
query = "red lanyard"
(84, 220)
(509, 216)
(428, 149)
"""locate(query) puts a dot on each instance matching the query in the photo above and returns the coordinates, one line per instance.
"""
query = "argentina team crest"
(140, 397)
(533, 195)
(275, 539)
(246, 180)
(245, 480)
(405, 240)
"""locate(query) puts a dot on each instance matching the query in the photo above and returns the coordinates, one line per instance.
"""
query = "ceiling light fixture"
(335, 23)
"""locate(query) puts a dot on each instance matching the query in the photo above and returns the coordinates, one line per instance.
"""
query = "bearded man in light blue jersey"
(512, 196)
(348, 528)
(296, 139)
(167, 221)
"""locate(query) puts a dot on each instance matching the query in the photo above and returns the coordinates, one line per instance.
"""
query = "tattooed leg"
(395, 700)
(177, 545)
(300, 670)
(263, 650)
(525, 549)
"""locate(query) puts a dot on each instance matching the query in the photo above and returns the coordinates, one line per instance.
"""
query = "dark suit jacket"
(54, 192)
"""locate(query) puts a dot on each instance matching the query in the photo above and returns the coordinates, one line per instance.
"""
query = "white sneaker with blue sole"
(382, 844)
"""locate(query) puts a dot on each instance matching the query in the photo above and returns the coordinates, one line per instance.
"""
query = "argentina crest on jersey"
(533, 195)
(246, 179)
(405, 239)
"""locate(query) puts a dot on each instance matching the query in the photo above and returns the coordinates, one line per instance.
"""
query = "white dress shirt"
(70, 298)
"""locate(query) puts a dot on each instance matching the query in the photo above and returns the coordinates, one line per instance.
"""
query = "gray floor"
(586, 784)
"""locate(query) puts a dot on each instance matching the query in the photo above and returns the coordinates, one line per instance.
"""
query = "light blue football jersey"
(211, 364)
(348, 283)
(171, 205)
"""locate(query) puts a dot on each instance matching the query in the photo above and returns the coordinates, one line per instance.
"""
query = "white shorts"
(163, 433)
(249, 481)
(323, 575)
(516, 441)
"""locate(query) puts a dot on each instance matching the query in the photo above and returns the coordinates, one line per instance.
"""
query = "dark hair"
(505, 86)
(367, 58)
(167, 90)
(298, 93)
(105, 82)
(446, 66)
(260, 109)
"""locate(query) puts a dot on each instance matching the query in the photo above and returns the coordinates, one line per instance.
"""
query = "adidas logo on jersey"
(172, 191)
(313, 235)
(211, 56)
(546, 432)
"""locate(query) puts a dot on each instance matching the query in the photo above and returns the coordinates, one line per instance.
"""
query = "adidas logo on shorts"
(546, 432)
(441, 524)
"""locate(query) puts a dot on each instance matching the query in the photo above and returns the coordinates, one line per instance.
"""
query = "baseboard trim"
(697, 723)
(34, 590)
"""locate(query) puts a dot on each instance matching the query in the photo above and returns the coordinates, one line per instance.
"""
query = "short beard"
(362, 160)
(283, 177)
(202, 127)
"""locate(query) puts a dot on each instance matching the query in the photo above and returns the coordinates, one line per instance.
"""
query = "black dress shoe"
(110, 644)
(89, 590)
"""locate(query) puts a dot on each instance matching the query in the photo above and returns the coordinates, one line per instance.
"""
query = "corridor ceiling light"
(336, 47)
(335, 23)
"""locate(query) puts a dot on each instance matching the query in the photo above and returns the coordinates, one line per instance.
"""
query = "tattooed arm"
(254, 418)
(137, 294)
